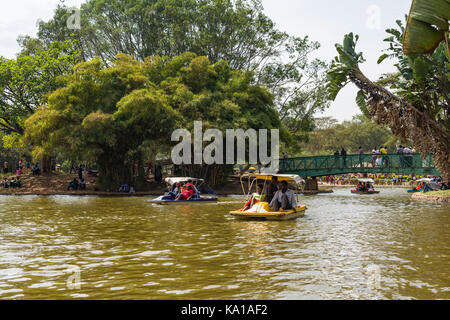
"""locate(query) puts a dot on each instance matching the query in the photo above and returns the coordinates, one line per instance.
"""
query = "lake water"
(385, 246)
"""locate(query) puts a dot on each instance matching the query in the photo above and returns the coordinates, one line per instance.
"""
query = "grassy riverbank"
(438, 196)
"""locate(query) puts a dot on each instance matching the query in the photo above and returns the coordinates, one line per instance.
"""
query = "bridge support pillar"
(312, 185)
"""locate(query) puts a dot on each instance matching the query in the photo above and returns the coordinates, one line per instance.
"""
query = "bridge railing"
(324, 165)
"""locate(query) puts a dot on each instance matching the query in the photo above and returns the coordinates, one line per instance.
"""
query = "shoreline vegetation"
(436, 196)
(57, 183)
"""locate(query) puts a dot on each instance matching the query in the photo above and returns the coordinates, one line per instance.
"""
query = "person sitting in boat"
(271, 189)
(369, 187)
(359, 187)
(419, 186)
(174, 192)
(197, 193)
(427, 188)
(186, 195)
(284, 199)
(255, 198)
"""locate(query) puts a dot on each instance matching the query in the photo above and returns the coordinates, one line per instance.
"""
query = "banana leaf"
(427, 27)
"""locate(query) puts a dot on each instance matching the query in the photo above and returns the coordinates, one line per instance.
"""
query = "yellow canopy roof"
(281, 177)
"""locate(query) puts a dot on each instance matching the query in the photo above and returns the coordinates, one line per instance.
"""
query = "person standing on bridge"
(344, 157)
(384, 153)
(336, 159)
(374, 157)
(408, 157)
(400, 155)
(361, 155)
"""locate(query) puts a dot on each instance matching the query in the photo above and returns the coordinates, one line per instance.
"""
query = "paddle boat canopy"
(367, 189)
(261, 209)
(198, 198)
(426, 184)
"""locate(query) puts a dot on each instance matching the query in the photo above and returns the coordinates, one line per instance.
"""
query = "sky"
(325, 21)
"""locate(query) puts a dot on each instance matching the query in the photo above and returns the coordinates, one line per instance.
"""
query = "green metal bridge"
(365, 163)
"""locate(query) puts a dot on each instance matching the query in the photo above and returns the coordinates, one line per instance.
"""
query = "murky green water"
(347, 247)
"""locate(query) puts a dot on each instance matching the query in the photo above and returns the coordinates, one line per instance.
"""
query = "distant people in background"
(336, 159)
(361, 155)
(374, 156)
(19, 173)
(5, 167)
(82, 185)
(5, 183)
(80, 172)
(400, 153)
(28, 165)
(285, 155)
(15, 183)
(149, 167)
(384, 153)
(72, 169)
(408, 157)
(158, 173)
(20, 165)
(124, 188)
(73, 184)
(37, 169)
(379, 157)
(344, 157)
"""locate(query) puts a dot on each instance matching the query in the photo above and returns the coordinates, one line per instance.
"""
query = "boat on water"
(261, 209)
(367, 187)
(425, 185)
(199, 198)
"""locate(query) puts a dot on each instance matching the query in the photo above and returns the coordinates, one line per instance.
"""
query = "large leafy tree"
(106, 115)
(330, 136)
(26, 80)
(235, 31)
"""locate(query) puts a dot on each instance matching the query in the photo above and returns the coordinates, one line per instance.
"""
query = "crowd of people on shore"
(13, 183)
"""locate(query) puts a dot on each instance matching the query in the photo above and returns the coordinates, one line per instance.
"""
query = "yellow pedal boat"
(262, 210)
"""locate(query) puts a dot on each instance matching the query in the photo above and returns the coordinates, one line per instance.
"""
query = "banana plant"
(427, 26)
(411, 116)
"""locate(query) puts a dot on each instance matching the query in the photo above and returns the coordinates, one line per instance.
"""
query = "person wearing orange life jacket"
(197, 193)
(187, 194)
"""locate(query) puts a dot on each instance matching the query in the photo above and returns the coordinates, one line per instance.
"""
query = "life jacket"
(259, 197)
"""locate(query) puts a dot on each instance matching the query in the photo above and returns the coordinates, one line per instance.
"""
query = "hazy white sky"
(325, 21)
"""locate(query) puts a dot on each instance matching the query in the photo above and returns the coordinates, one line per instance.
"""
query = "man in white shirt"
(284, 198)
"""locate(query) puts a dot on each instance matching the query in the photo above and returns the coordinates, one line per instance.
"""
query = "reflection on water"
(348, 246)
